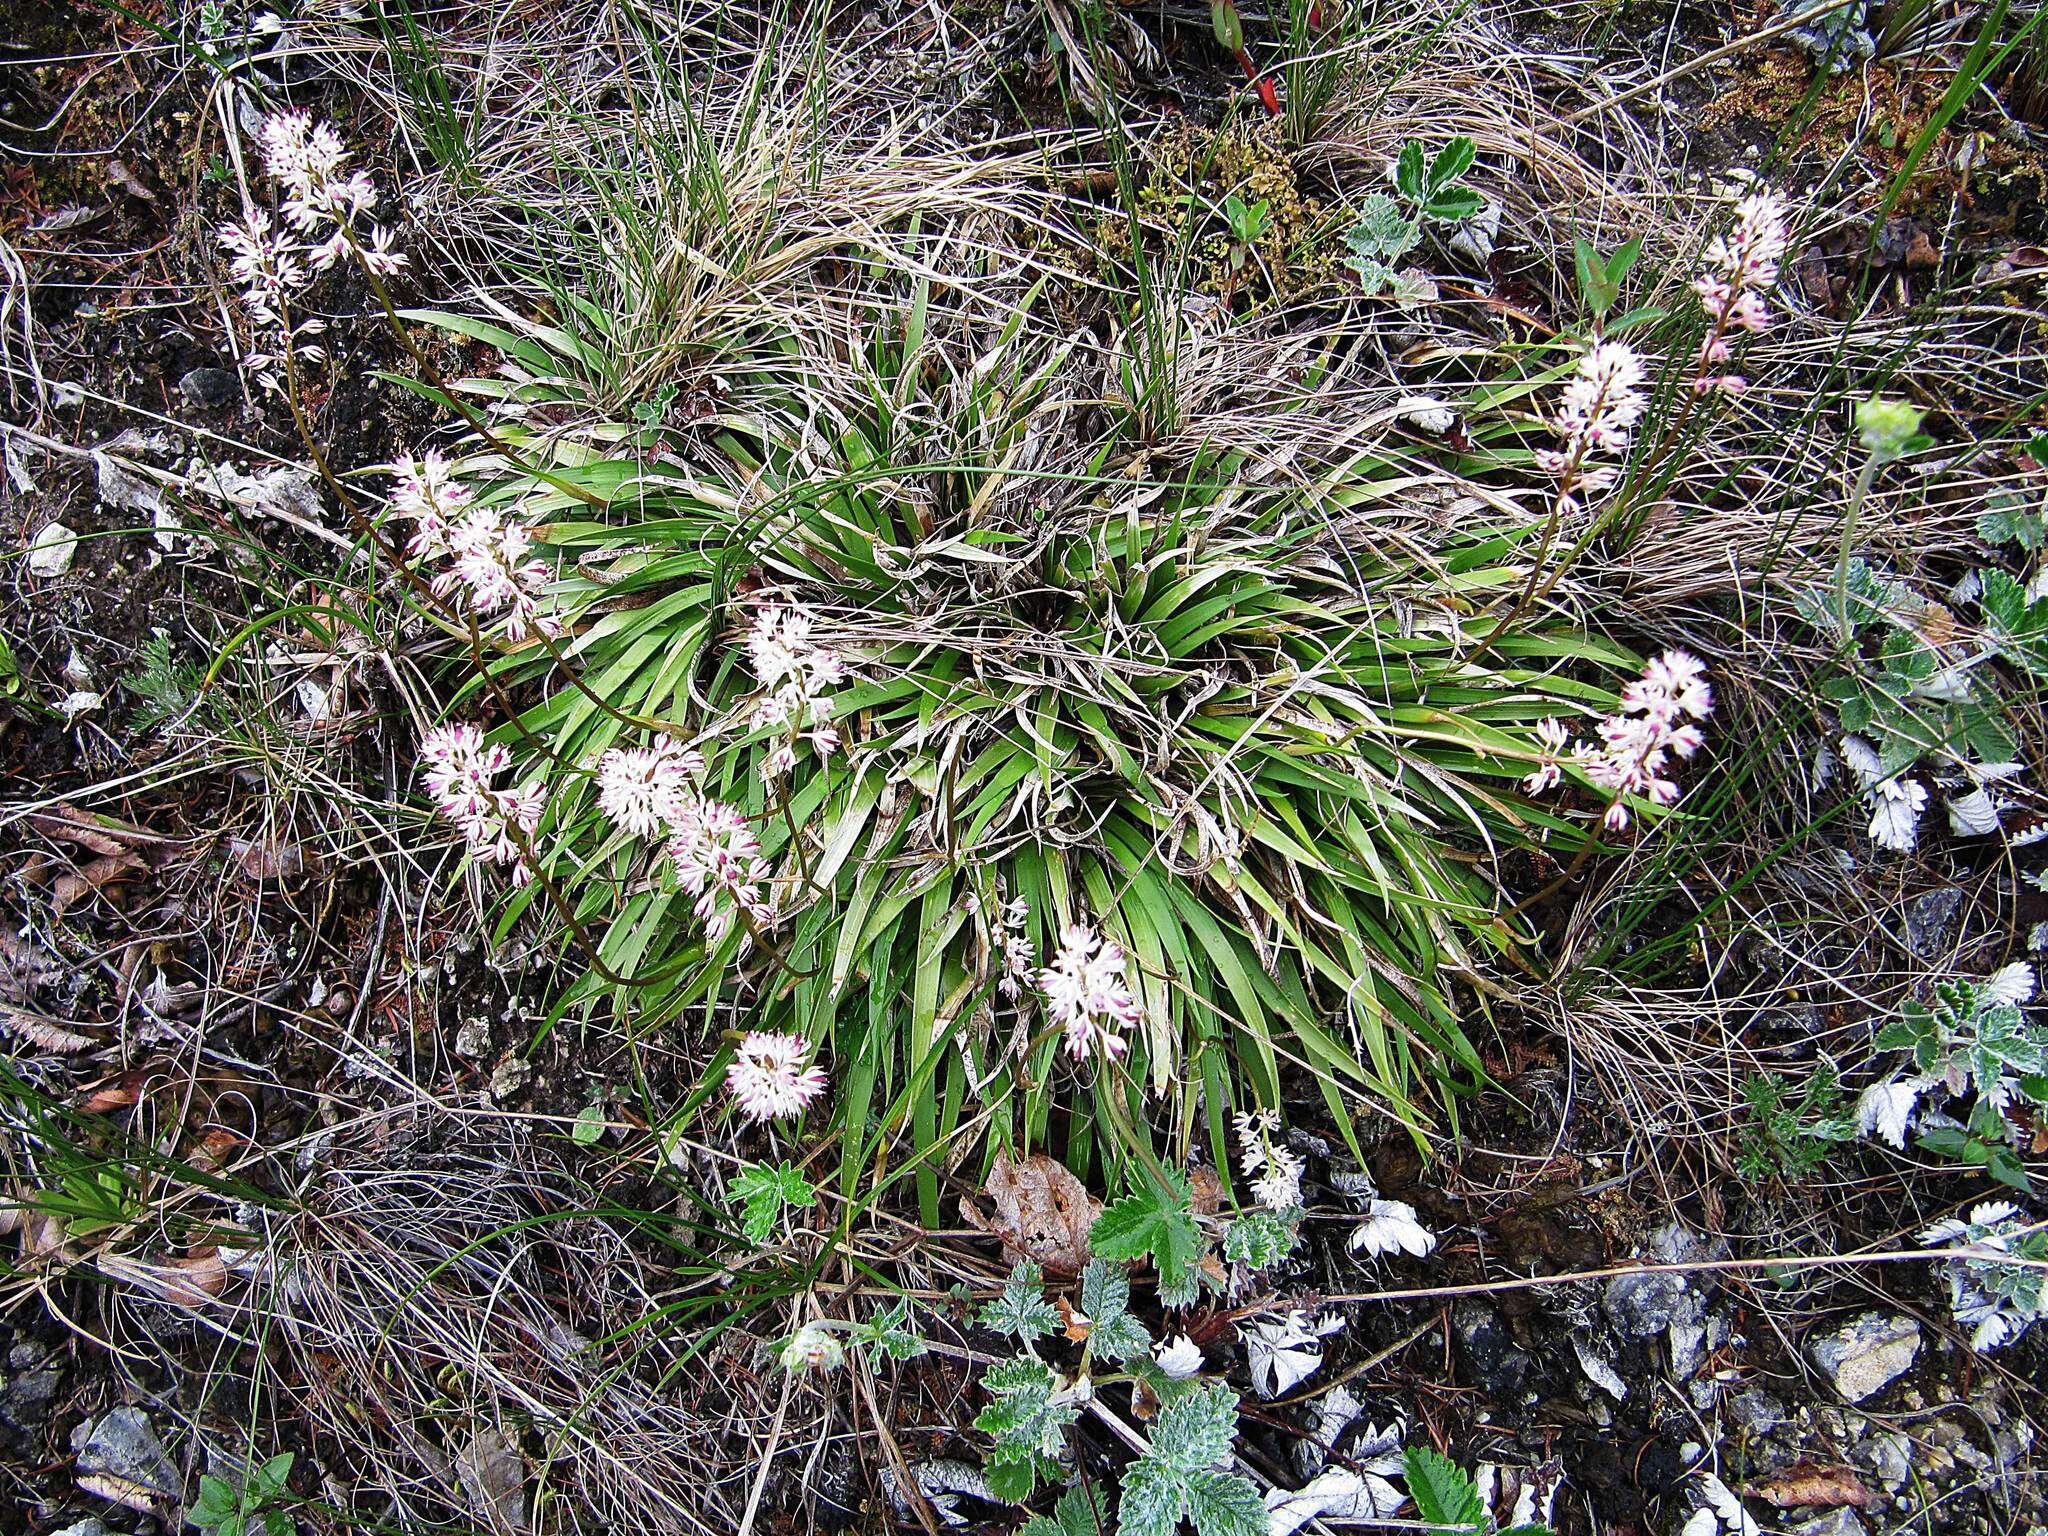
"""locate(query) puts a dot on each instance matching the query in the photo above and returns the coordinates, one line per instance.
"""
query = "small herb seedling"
(1436, 189)
(1180, 1476)
(1601, 277)
(1388, 228)
(763, 1192)
(1447, 1498)
(1792, 1130)
(1973, 1040)
(2002, 1299)
(1155, 1222)
(224, 1509)
(1249, 223)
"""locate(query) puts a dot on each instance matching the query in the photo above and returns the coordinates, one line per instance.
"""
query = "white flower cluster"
(718, 860)
(1596, 412)
(326, 209)
(1278, 1183)
(1019, 954)
(768, 1078)
(812, 1348)
(644, 789)
(1637, 742)
(1741, 269)
(1086, 993)
(459, 769)
(649, 792)
(487, 553)
(797, 674)
(653, 791)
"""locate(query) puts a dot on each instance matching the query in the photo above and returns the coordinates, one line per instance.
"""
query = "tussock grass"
(1212, 698)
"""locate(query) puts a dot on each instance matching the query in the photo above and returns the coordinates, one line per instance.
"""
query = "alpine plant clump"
(975, 787)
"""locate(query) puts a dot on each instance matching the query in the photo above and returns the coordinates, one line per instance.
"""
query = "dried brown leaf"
(67, 823)
(1814, 1485)
(119, 174)
(214, 1150)
(42, 1235)
(70, 216)
(188, 1282)
(95, 877)
(494, 1473)
(121, 1092)
(45, 1034)
(1042, 1212)
(271, 858)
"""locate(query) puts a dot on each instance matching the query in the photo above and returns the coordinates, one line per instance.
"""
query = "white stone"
(1866, 1354)
(52, 550)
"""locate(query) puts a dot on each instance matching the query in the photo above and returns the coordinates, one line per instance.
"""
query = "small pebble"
(52, 550)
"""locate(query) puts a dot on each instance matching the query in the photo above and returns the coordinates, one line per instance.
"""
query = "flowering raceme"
(326, 210)
(768, 1079)
(1741, 269)
(646, 790)
(718, 861)
(1277, 1184)
(1636, 743)
(486, 554)
(796, 672)
(1018, 951)
(458, 768)
(1596, 412)
(1086, 994)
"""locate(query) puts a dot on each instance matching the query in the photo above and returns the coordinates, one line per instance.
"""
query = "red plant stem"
(1269, 94)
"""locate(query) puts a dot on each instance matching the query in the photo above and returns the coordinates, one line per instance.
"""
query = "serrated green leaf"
(891, 1333)
(1454, 205)
(1199, 1429)
(1224, 1504)
(1073, 1515)
(1381, 233)
(1012, 1481)
(1411, 175)
(2017, 522)
(1105, 1297)
(1451, 162)
(1445, 1497)
(1024, 1422)
(1152, 1498)
(764, 1191)
(1154, 1222)
(1022, 1309)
